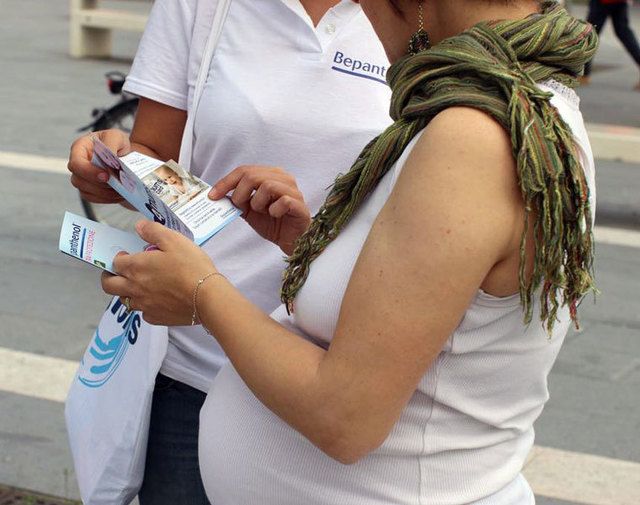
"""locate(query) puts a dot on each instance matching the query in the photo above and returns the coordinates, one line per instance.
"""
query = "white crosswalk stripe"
(613, 142)
(34, 375)
(617, 236)
(33, 162)
(564, 475)
(583, 478)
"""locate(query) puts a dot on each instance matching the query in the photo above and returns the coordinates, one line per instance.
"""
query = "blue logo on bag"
(107, 351)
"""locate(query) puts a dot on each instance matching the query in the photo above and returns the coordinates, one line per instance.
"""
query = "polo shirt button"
(330, 28)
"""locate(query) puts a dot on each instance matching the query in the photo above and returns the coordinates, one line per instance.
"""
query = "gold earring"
(420, 40)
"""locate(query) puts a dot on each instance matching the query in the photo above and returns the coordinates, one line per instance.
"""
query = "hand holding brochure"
(96, 243)
(166, 193)
(162, 192)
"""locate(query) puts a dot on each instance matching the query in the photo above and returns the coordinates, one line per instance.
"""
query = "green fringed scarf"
(493, 67)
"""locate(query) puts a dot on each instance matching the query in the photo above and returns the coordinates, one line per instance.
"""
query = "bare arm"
(158, 130)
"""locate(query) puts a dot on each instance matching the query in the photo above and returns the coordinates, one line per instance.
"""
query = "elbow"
(347, 442)
(345, 452)
(349, 457)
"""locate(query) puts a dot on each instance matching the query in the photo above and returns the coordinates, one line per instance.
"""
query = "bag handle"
(217, 25)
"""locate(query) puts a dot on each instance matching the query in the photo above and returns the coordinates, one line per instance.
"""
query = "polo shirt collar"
(334, 19)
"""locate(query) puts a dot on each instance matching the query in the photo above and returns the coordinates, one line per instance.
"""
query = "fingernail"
(102, 177)
(213, 194)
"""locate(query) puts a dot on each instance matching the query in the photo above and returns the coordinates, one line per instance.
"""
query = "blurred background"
(53, 77)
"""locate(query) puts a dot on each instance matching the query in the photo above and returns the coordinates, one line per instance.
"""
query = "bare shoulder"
(472, 138)
(465, 147)
(461, 175)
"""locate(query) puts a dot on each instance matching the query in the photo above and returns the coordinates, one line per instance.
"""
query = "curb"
(13, 496)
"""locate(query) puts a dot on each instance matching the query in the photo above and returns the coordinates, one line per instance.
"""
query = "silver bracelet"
(194, 317)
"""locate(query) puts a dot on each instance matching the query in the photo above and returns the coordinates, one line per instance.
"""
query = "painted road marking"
(34, 375)
(613, 142)
(617, 236)
(33, 162)
(563, 475)
(583, 478)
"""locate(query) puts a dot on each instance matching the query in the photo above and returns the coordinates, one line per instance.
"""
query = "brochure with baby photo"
(166, 193)
(96, 243)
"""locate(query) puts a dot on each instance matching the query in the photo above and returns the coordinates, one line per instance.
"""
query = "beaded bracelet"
(194, 317)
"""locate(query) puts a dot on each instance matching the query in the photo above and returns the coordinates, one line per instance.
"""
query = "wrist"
(197, 296)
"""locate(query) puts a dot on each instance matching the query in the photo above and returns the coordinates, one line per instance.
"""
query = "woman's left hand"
(160, 282)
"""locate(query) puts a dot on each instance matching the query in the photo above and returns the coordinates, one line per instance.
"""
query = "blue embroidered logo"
(107, 351)
(359, 68)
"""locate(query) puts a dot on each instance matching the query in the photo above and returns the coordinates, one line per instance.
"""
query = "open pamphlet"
(161, 191)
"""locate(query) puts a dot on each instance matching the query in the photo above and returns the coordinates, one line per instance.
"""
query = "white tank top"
(462, 438)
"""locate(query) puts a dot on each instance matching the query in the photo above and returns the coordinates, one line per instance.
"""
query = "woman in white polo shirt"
(298, 84)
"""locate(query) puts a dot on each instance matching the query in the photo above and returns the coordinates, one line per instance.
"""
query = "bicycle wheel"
(120, 116)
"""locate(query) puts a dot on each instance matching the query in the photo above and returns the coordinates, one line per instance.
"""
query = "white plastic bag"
(109, 405)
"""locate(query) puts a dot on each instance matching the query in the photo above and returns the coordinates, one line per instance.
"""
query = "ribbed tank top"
(462, 438)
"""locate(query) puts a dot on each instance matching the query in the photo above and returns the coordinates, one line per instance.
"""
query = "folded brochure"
(162, 191)
(166, 193)
(96, 243)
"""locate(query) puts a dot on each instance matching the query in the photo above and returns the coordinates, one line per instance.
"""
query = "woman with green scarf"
(427, 300)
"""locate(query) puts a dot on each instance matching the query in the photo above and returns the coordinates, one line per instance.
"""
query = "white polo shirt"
(279, 92)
